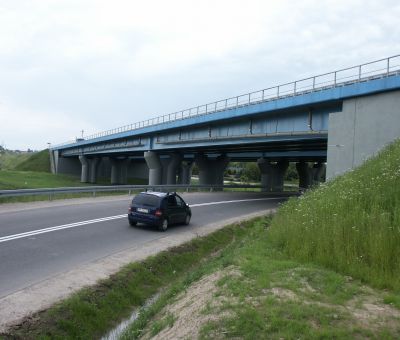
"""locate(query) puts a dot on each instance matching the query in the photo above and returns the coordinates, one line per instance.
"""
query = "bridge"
(330, 122)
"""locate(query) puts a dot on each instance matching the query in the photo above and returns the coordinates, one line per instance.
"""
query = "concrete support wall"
(365, 125)
(64, 165)
(272, 174)
(211, 171)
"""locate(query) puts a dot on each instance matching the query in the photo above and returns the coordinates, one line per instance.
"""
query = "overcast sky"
(92, 65)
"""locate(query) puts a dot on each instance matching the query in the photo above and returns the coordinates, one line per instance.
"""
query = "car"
(159, 208)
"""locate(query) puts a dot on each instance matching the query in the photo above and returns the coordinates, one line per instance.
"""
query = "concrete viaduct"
(330, 122)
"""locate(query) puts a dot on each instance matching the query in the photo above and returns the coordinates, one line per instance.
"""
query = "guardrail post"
(359, 72)
(335, 79)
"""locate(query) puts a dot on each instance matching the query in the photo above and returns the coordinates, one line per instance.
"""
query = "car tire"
(164, 225)
(132, 223)
(187, 219)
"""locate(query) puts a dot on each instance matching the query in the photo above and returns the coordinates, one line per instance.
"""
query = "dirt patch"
(188, 308)
(367, 310)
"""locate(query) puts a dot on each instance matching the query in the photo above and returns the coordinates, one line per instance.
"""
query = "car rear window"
(144, 199)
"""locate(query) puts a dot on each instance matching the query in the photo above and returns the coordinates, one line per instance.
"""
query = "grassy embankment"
(31, 171)
(255, 280)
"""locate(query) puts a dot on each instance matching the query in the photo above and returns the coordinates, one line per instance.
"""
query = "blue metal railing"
(364, 72)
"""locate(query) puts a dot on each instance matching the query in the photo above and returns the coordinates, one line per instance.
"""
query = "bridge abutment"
(272, 174)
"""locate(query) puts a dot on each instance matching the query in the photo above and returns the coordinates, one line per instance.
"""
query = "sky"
(94, 65)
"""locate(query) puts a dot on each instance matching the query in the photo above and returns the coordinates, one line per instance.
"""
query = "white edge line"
(109, 218)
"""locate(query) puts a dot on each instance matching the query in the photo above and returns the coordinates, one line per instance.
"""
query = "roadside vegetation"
(351, 225)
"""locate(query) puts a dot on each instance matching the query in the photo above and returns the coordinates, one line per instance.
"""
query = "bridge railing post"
(388, 66)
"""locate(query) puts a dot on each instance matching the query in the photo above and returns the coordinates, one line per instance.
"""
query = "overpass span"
(310, 121)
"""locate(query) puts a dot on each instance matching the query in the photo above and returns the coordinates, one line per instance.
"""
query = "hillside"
(350, 224)
(38, 161)
(10, 159)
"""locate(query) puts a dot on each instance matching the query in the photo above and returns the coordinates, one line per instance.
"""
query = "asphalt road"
(39, 241)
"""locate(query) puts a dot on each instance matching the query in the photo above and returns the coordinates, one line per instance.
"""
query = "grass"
(351, 224)
(9, 160)
(31, 179)
(263, 294)
(38, 161)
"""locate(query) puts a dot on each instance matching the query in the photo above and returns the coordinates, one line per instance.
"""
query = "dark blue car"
(159, 208)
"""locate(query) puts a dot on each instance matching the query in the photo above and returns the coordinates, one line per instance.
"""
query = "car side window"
(179, 201)
(172, 201)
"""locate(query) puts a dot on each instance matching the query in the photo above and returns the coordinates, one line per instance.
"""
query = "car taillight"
(158, 213)
(131, 209)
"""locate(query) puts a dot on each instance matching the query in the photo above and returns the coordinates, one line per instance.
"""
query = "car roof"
(155, 193)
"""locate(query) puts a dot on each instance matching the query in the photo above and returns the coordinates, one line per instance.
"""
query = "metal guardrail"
(360, 73)
(128, 188)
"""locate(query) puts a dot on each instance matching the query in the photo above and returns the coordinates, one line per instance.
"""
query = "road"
(40, 241)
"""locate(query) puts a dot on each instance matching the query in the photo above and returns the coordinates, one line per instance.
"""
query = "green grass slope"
(32, 179)
(39, 161)
(9, 159)
(351, 224)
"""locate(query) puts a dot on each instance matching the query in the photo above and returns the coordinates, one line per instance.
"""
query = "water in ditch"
(115, 333)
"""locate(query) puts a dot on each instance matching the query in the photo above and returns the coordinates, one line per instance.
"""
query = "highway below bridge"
(41, 241)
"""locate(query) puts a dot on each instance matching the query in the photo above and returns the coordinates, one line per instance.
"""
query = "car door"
(173, 209)
(181, 209)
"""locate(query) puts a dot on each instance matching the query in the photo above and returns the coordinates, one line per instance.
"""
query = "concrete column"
(306, 175)
(85, 169)
(94, 162)
(211, 171)
(272, 174)
(155, 168)
(319, 171)
(119, 170)
(114, 171)
(185, 173)
(123, 171)
(172, 167)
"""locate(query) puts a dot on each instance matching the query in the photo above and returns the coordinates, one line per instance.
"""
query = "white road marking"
(109, 218)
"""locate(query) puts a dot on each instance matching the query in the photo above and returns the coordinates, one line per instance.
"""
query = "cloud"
(105, 64)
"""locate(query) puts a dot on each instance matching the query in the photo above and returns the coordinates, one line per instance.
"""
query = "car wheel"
(164, 225)
(132, 223)
(187, 219)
